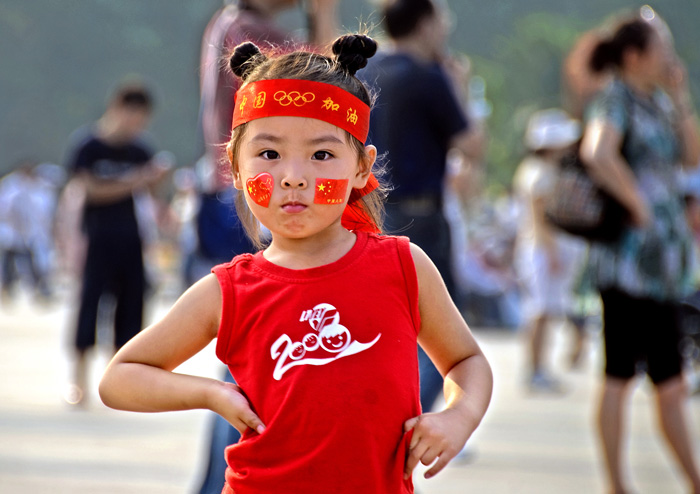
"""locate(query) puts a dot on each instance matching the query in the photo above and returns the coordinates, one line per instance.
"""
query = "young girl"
(320, 328)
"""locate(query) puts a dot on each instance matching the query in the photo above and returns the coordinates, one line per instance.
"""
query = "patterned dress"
(654, 262)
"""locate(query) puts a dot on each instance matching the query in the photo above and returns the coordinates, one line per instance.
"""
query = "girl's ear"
(365, 167)
(237, 183)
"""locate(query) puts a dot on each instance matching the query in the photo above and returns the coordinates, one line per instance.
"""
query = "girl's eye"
(322, 155)
(270, 155)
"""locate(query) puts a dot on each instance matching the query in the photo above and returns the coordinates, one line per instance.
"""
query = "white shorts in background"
(545, 293)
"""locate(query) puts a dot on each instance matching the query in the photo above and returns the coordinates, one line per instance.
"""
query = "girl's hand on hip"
(234, 406)
(436, 436)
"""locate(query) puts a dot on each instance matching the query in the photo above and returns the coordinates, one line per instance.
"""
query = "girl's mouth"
(293, 207)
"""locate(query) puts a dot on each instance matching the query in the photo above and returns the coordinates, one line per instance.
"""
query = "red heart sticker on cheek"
(260, 188)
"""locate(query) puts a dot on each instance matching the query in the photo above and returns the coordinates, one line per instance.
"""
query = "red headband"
(301, 98)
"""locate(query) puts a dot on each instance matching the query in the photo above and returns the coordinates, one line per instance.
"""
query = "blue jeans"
(223, 434)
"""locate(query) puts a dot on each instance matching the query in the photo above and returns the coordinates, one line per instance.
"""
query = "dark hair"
(350, 54)
(401, 17)
(133, 95)
(632, 33)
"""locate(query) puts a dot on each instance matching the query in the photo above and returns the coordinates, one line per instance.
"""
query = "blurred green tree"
(523, 76)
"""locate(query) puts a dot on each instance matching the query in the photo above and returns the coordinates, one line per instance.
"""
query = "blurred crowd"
(500, 242)
(183, 219)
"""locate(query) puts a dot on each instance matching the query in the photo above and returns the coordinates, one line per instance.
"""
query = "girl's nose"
(294, 179)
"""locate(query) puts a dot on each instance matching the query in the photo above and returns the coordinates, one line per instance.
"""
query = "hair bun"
(353, 50)
(245, 58)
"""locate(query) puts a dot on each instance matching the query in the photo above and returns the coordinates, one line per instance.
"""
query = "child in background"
(319, 329)
(549, 262)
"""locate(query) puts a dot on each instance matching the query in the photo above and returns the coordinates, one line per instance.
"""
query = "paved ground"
(527, 444)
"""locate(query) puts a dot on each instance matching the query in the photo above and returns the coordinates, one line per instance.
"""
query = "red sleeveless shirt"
(327, 358)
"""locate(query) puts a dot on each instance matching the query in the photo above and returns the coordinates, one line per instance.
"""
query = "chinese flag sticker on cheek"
(330, 191)
(260, 189)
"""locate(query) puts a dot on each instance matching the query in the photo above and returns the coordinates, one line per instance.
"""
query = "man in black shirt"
(111, 162)
(416, 120)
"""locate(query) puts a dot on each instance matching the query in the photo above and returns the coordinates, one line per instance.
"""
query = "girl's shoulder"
(398, 243)
(237, 260)
(387, 238)
(228, 270)
(411, 256)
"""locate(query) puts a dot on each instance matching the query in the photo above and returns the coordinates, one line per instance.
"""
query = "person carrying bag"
(579, 206)
(646, 272)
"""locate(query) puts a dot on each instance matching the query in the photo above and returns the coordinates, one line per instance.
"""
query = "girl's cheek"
(330, 190)
(259, 188)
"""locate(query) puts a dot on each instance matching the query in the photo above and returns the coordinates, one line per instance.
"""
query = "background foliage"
(59, 60)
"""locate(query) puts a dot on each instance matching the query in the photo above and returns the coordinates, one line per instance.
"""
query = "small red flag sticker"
(330, 191)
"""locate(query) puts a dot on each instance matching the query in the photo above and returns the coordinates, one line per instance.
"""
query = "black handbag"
(579, 207)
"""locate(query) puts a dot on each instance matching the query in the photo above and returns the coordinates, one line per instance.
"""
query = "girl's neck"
(311, 252)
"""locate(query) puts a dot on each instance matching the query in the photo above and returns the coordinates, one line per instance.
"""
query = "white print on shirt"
(330, 339)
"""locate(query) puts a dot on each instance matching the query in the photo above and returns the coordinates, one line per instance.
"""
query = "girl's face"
(297, 174)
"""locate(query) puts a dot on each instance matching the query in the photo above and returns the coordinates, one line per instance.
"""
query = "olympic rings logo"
(286, 99)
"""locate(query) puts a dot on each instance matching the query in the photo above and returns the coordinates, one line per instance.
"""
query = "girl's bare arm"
(140, 377)
(446, 338)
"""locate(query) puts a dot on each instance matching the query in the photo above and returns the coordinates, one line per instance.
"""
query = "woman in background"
(642, 276)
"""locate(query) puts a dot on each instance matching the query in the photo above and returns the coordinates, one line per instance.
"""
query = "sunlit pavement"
(526, 444)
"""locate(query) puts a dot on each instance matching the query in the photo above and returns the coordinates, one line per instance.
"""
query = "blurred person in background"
(645, 274)
(220, 235)
(417, 119)
(237, 22)
(112, 162)
(28, 198)
(183, 209)
(690, 307)
(548, 261)
(486, 279)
